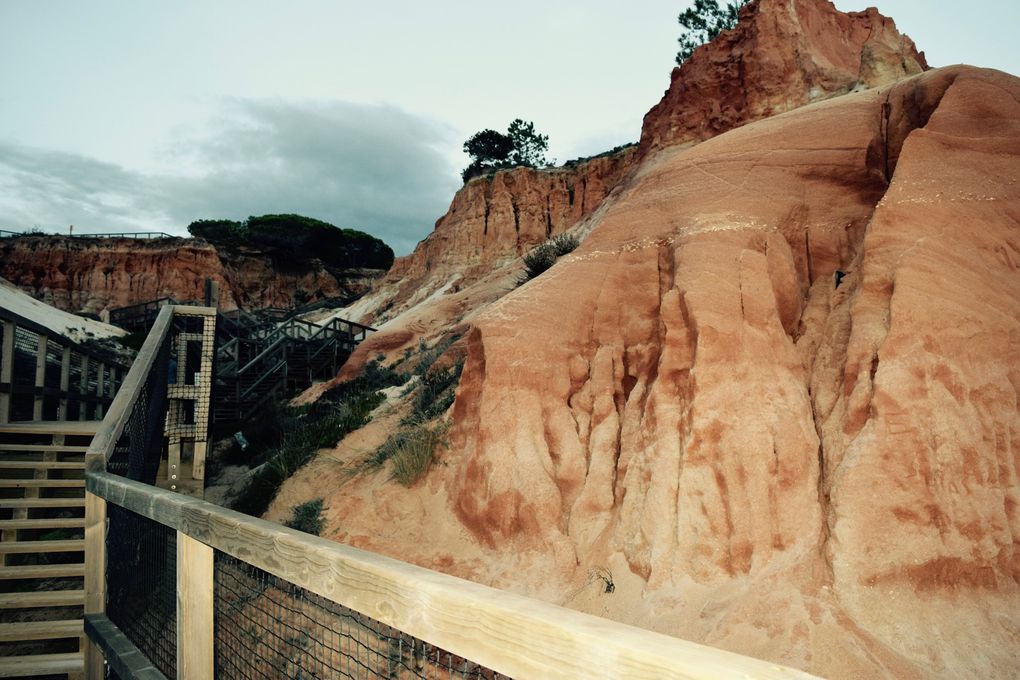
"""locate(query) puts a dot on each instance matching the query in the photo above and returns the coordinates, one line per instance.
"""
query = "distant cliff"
(91, 275)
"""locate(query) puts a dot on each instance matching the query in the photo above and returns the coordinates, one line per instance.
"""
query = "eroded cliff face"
(494, 220)
(773, 398)
(781, 55)
(93, 275)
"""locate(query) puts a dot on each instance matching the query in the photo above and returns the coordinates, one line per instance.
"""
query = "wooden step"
(21, 547)
(41, 664)
(40, 630)
(42, 464)
(42, 502)
(42, 598)
(54, 523)
(43, 571)
(73, 427)
(42, 483)
(43, 448)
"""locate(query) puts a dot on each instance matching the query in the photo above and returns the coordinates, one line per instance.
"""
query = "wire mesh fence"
(141, 577)
(139, 450)
(267, 627)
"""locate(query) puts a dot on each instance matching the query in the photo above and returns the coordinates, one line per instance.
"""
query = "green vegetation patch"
(307, 517)
(298, 238)
(544, 256)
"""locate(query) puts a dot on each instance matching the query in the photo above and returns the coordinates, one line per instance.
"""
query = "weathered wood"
(40, 503)
(120, 410)
(198, 460)
(42, 464)
(95, 554)
(65, 381)
(76, 428)
(42, 571)
(192, 310)
(40, 375)
(21, 547)
(6, 369)
(47, 598)
(508, 633)
(125, 659)
(54, 523)
(39, 664)
(40, 630)
(40, 483)
(195, 611)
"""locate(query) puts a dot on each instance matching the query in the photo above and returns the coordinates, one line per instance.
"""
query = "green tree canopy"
(295, 238)
(491, 150)
(702, 22)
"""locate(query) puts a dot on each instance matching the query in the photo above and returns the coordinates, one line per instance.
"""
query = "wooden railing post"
(6, 369)
(65, 382)
(40, 377)
(194, 608)
(95, 577)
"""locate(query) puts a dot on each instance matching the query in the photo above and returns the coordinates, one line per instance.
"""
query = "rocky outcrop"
(493, 220)
(759, 456)
(93, 275)
(781, 55)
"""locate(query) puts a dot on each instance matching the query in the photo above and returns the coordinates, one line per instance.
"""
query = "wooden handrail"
(508, 633)
(112, 427)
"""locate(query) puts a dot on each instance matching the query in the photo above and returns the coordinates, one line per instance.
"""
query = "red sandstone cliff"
(827, 476)
(491, 221)
(781, 55)
(92, 275)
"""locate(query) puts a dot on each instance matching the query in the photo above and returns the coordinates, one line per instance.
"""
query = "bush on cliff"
(299, 238)
(545, 255)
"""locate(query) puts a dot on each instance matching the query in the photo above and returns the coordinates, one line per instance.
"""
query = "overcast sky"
(147, 115)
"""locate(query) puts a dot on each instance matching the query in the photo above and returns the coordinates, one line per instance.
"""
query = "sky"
(139, 115)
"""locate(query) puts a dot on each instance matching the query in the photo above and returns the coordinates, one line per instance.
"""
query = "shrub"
(544, 256)
(307, 517)
(322, 426)
(411, 450)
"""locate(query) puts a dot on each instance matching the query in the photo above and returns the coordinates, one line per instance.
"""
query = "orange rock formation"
(93, 275)
(759, 454)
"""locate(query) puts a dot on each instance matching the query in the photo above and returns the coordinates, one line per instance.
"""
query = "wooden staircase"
(42, 508)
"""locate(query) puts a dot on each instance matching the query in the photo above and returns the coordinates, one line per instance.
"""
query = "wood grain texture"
(509, 633)
(194, 608)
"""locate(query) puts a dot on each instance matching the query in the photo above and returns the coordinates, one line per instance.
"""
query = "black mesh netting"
(269, 628)
(141, 577)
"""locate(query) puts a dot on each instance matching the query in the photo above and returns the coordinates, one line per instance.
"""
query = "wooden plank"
(6, 368)
(42, 448)
(125, 659)
(40, 375)
(72, 427)
(95, 575)
(192, 310)
(508, 633)
(40, 630)
(194, 608)
(41, 503)
(65, 381)
(42, 464)
(41, 483)
(40, 664)
(120, 410)
(42, 598)
(55, 523)
(42, 571)
(21, 547)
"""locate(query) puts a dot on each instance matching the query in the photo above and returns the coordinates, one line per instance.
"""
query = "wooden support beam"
(6, 368)
(95, 577)
(194, 608)
(40, 376)
(65, 381)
